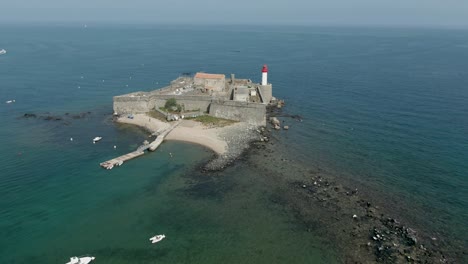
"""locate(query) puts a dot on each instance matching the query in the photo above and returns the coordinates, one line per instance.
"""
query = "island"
(222, 114)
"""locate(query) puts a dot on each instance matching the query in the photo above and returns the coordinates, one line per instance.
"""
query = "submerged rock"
(29, 115)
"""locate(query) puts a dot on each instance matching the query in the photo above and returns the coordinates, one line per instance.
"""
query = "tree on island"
(171, 105)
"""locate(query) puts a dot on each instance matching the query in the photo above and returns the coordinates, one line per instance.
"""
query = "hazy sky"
(304, 12)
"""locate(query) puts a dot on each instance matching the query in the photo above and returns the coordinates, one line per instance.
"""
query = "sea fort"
(239, 100)
(234, 99)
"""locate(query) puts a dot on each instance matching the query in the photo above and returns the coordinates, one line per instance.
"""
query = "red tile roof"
(202, 75)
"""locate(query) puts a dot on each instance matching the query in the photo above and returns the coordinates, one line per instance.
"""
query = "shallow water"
(382, 108)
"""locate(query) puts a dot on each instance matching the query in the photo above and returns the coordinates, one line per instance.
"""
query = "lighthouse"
(264, 75)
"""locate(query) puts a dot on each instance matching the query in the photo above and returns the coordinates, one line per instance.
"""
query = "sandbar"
(187, 131)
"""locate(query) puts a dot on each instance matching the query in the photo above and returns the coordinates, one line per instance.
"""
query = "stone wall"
(252, 113)
(144, 102)
(214, 84)
(129, 104)
(190, 102)
(266, 93)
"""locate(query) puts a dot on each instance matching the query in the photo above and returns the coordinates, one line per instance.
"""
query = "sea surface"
(384, 109)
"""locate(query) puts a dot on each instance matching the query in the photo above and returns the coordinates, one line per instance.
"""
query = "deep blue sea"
(384, 108)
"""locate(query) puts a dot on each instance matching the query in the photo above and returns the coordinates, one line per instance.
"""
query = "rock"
(274, 121)
(52, 118)
(411, 239)
(29, 115)
(286, 127)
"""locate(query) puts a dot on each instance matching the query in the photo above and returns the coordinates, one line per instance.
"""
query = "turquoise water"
(385, 108)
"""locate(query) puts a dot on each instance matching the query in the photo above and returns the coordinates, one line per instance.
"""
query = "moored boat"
(157, 238)
(80, 260)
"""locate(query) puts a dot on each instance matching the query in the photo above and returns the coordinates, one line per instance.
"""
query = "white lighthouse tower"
(265, 75)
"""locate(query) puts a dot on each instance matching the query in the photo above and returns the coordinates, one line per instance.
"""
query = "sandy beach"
(187, 130)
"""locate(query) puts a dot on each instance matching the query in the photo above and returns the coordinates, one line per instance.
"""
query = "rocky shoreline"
(238, 141)
(362, 231)
(52, 117)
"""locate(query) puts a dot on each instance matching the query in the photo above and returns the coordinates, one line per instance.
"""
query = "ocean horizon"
(383, 110)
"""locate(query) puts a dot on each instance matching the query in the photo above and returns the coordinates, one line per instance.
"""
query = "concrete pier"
(140, 151)
(120, 160)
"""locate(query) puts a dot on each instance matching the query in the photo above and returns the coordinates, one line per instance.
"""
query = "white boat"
(157, 238)
(80, 260)
(10, 101)
(96, 139)
(2, 51)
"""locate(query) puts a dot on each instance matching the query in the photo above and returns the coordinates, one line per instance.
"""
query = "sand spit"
(227, 142)
(195, 132)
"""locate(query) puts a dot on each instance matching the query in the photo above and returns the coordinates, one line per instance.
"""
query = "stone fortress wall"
(252, 113)
(216, 104)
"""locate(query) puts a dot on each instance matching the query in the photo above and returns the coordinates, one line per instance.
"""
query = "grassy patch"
(157, 115)
(212, 121)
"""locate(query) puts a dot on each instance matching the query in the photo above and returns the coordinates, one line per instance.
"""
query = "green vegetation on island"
(212, 121)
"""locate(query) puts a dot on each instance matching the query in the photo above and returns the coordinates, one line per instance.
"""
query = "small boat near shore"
(2, 51)
(157, 238)
(96, 139)
(80, 260)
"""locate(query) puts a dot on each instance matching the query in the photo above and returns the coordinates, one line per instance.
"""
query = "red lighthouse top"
(265, 68)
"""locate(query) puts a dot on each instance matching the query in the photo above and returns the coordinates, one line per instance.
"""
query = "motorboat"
(10, 101)
(2, 51)
(157, 238)
(96, 139)
(80, 260)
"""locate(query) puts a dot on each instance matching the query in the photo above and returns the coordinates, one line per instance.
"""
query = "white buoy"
(115, 147)
(71, 139)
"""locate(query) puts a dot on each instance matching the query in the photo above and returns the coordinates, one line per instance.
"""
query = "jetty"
(140, 150)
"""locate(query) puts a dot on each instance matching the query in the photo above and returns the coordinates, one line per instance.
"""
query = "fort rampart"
(252, 113)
